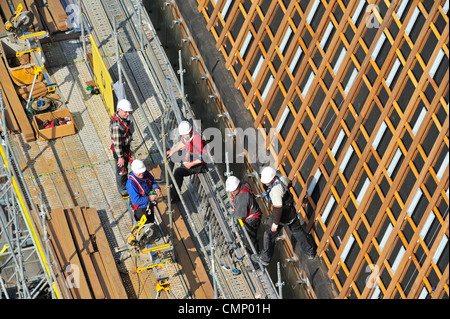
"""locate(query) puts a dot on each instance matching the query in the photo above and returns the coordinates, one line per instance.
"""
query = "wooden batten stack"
(51, 17)
(15, 110)
(84, 255)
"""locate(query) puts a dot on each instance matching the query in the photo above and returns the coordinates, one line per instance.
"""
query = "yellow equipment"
(20, 22)
(3, 251)
(163, 285)
(29, 68)
(36, 35)
(27, 51)
(141, 244)
(142, 233)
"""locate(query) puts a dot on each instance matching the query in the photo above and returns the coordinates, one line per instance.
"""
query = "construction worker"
(121, 131)
(283, 213)
(192, 145)
(245, 207)
(143, 191)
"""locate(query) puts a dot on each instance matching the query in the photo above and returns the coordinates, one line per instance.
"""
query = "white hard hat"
(232, 183)
(184, 128)
(138, 166)
(124, 105)
(267, 174)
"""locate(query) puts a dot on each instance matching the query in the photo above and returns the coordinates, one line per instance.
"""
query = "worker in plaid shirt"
(121, 131)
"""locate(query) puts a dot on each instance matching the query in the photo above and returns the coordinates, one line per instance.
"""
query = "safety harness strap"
(278, 181)
(127, 128)
(140, 189)
(250, 214)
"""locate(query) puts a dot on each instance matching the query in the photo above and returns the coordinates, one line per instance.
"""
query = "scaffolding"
(28, 269)
(209, 210)
(25, 260)
(359, 93)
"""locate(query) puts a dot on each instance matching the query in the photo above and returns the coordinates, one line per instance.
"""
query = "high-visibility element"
(3, 251)
(102, 78)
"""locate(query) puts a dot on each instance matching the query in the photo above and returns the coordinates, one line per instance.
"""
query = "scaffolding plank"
(65, 247)
(101, 274)
(58, 13)
(10, 120)
(31, 6)
(46, 17)
(185, 249)
(14, 102)
(84, 247)
(79, 229)
(95, 228)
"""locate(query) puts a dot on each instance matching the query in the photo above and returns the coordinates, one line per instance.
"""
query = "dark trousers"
(122, 172)
(251, 226)
(180, 173)
(138, 213)
(297, 231)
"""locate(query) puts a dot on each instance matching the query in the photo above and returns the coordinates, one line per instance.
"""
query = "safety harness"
(287, 197)
(191, 148)
(134, 206)
(116, 118)
(250, 213)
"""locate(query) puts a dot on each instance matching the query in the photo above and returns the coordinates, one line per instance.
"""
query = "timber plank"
(58, 280)
(39, 89)
(101, 274)
(14, 102)
(184, 247)
(6, 14)
(4, 6)
(84, 248)
(58, 13)
(67, 254)
(57, 249)
(10, 120)
(203, 290)
(46, 17)
(79, 228)
(37, 24)
(94, 279)
(95, 228)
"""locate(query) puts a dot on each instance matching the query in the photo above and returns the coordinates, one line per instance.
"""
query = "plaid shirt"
(117, 132)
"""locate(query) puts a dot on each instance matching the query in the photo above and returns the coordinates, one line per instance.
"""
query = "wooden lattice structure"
(359, 94)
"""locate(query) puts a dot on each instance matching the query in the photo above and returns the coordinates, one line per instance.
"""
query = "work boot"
(310, 254)
(254, 263)
(257, 259)
(125, 194)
